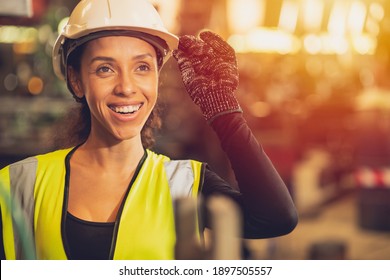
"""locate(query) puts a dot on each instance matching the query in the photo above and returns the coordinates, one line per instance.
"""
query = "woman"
(110, 197)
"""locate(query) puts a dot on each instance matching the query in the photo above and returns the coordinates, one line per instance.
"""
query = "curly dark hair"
(76, 126)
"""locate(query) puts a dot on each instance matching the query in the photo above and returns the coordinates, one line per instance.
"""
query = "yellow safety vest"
(144, 229)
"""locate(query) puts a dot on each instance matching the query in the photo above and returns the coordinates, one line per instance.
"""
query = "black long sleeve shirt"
(266, 205)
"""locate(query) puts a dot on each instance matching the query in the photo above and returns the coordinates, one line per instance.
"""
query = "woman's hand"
(209, 71)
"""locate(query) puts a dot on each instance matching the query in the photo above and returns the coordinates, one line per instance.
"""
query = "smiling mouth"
(124, 110)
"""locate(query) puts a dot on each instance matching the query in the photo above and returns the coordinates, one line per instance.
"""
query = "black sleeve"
(266, 205)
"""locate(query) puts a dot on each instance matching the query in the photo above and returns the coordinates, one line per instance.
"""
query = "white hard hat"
(96, 18)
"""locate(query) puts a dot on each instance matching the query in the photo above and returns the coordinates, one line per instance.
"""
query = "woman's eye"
(144, 67)
(103, 69)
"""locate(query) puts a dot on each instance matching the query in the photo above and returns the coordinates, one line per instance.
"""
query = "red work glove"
(209, 71)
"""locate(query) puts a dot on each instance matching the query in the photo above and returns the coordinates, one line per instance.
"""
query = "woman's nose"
(125, 85)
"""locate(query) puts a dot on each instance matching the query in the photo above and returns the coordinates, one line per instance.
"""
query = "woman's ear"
(74, 82)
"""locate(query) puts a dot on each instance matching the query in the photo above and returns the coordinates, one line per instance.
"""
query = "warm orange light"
(260, 109)
(376, 11)
(326, 44)
(15, 34)
(312, 13)
(364, 44)
(24, 48)
(289, 16)
(352, 27)
(312, 44)
(338, 18)
(244, 17)
(372, 26)
(266, 40)
(357, 16)
(35, 85)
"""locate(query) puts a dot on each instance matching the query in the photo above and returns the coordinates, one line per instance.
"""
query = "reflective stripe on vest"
(22, 179)
(182, 177)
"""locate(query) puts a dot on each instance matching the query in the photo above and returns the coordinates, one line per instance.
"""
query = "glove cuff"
(217, 103)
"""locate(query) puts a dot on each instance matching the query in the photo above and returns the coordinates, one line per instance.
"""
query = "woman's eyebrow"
(142, 56)
(102, 58)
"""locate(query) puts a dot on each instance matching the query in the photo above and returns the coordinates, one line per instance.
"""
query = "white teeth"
(126, 109)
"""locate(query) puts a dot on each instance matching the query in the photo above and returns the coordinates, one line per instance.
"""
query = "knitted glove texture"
(208, 67)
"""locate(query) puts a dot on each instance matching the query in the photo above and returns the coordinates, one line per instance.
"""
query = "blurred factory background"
(314, 86)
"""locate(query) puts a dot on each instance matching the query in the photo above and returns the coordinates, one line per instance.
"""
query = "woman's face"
(119, 79)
